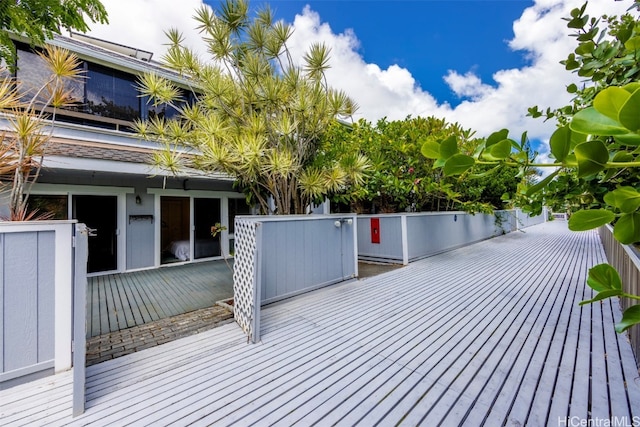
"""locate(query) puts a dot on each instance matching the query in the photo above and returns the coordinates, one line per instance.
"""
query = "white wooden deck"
(489, 334)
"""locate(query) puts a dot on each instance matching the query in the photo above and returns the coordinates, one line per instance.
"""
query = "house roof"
(103, 151)
(107, 153)
(117, 56)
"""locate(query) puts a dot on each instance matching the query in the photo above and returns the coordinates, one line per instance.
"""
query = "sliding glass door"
(174, 229)
(206, 214)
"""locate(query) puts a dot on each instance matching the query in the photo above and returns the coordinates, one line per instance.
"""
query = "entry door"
(174, 229)
(100, 213)
(206, 214)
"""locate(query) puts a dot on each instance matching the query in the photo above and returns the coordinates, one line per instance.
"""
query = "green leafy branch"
(599, 141)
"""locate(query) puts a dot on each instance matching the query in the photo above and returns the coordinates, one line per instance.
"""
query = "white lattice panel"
(244, 271)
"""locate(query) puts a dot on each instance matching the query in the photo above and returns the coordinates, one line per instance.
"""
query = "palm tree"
(30, 113)
(258, 116)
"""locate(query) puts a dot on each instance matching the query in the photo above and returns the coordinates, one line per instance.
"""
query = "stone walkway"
(126, 341)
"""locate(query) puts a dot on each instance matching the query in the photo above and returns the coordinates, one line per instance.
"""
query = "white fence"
(625, 260)
(36, 290)
(405, 237)
(282, 256)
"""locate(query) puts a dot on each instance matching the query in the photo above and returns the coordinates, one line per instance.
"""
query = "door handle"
(92, 232)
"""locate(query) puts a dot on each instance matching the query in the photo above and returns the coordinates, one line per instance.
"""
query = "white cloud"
(539, 34)
(142, 23)
(468, 85)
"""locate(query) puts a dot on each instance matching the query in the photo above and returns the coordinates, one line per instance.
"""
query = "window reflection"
(111, 93)
(34, 75)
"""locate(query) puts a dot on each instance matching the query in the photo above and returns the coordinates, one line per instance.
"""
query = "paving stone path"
(126, 341)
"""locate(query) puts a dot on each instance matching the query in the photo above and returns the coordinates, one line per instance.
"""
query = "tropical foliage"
(400, 180)
(29, 112)
(257, 115)
(595, 146)
(39, 20)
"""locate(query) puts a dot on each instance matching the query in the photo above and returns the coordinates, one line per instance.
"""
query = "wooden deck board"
(120, 301)
(484, 335)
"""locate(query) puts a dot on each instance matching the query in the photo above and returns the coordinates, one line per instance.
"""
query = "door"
(174, 229)
(99, 213)
(206, 214)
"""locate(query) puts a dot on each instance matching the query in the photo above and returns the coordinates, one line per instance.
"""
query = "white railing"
(36, 295)
(625, 260)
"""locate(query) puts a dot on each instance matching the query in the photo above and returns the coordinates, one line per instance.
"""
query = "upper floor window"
(104, 97)
(167, 111)
(34, 75)
(111, 93)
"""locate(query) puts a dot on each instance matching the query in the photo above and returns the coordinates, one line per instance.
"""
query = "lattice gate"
(246, 277)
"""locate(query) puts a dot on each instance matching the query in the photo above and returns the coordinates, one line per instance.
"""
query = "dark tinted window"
(56, 206)
(111, 93)
(33, 74)
(237, 207)
(168, 111)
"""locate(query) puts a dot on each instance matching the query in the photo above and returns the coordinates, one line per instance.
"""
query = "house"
(96, 170)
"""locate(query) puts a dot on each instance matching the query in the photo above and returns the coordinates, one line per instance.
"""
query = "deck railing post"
(257, 285)
(405, 240)
(79, 316)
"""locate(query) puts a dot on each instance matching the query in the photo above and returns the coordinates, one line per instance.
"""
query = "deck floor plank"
(536, 390)
(105, 306)
(489, 334)
(120, 301)
(132, 310)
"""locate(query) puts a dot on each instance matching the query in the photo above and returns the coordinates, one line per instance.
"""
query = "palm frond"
(62, 63)
(317, 60)
(235, 13)
(158, 89)
(312, 183)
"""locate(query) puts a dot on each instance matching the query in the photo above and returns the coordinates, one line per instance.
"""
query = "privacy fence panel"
(280, 257)
(626, 261)
(401, 238)
(35, 296)
(389, 246)
(525, 220)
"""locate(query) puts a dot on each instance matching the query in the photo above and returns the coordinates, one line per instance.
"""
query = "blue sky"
(479, 63)
(428, 37)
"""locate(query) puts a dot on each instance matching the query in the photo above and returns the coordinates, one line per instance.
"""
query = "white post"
(63, 296)
(405, 241)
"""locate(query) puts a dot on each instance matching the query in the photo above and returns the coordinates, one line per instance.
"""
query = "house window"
(111, 93)
(237, 207)
(56, 206)
(167, 111)
(33, 74)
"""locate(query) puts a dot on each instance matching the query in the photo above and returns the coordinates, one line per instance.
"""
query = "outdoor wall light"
(138, 200)
(339, 222)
